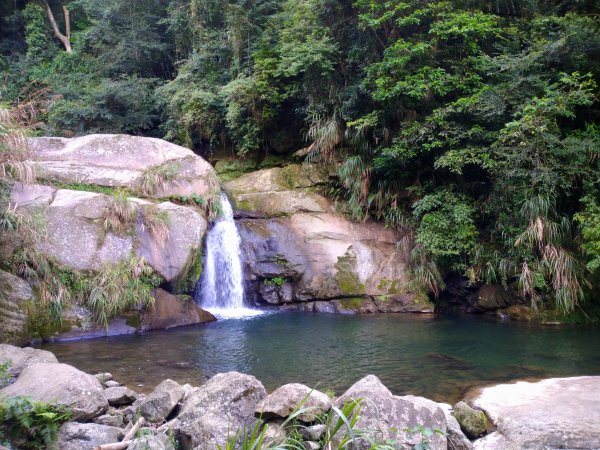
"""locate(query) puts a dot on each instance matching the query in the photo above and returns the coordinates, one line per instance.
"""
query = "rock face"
(171, 311)
(217, 410)
(549, 414)
(77, 239)
(20, 358)
(122, 161)
(284, 400)
(300, 250)
(49, 382)
(15, 296)
(78, 436)
(392, 415)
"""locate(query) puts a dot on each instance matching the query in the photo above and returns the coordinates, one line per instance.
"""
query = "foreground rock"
(123, 161)
(20, 358)
(15, 297)
(217, 410)
(291, 397)
(79, 436)
(549, 414)
(392, 415)
(472, 421)
(170, 311)
(161, 402)
(53, 382)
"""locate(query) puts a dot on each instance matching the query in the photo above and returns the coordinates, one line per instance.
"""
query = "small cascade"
(221, 288)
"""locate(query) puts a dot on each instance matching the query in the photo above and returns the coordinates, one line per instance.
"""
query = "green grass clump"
(276, 281)
(158, 177)
(156, 222)
(120, 213)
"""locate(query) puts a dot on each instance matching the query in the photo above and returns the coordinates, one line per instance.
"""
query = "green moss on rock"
(346, 276)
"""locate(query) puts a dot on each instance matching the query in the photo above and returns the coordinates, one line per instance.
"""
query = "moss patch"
(186, 283)
(346, 276)
(353, 303)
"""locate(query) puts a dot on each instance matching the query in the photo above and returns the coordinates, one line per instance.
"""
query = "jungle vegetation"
(472, 126)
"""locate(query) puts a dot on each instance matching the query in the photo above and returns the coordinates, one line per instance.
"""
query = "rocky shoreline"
(230, 407)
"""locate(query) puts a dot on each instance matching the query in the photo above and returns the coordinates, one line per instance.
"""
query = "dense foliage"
(472, 126)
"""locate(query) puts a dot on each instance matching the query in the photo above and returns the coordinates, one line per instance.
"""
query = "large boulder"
(53, 382)
(170, 311)
(77, 239)
(216, 411)
(392, 418)
(20, 358)
(79, 436)
(294, 397)
(15, 297)
(325, 256)
(123, 161)
(548, 414)
(157, 406)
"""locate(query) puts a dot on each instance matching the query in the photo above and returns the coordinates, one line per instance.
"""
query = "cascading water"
(221, 288)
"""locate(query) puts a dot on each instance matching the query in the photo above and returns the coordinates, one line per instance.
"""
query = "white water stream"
(221, 287)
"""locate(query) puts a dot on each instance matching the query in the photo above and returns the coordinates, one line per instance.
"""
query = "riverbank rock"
(216, 411)
(157, 442)
(120, 395)
(123, 161)
(294, 396)
(20, 358)
(392, 416)
(79, 436)
(15, 297)
(157, 406)
(472, 421)
(54, 382)
(170, 311)
(548, 414)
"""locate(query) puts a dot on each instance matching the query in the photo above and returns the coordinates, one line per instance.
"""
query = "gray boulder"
(548, 414)
(291, 397)
(389, 417)
(156, 442)
(472, 421)
(111, 420)
(15, 296)
(53, 382)
(157, 406)
(171, 311)
(123, 161)
(86, 436)
(216, 411)
(120, 395)
(23, 357)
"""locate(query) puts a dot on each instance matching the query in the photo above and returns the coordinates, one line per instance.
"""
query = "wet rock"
(15, 296)
(61, 383)
(548, 414)
(157, 406)
(393, 416)
(170, 311)
(20, 358)
(472, 421)
(157, 442)
(292, 397)
(224, 405)
(118, 396)
(492, 296)
(79, 436)
(519, 313)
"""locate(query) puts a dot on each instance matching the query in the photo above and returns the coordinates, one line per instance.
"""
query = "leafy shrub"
(275, 281)
(30, 424)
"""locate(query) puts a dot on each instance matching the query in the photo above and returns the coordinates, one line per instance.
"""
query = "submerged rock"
(79, 436)
(53, 382)
(170, 311)
(548, 414)
(216, 411)
(20, 358)
(15, 297)
(294, 397)
(392, 417)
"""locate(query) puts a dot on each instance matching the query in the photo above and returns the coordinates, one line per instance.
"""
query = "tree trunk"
(64, 38)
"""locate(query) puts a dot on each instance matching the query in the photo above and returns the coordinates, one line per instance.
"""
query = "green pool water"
(440, 356)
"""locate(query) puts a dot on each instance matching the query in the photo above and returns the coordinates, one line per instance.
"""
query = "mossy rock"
(472, 421)
(346, 276)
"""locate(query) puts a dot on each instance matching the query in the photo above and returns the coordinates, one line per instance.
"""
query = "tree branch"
(66, 40)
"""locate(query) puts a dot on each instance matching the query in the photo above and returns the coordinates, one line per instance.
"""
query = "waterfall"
(221, 287)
